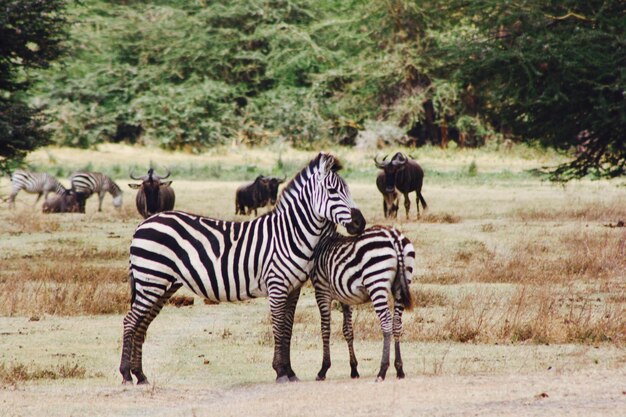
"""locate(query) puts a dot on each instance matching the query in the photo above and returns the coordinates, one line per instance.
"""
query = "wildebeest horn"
(168, 174)
(400, 160)
(381, 164)
(133, 176)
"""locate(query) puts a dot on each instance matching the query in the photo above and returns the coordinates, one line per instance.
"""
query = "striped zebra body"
(35, 183)
(85, 184)
(232, 261)
(376, 265)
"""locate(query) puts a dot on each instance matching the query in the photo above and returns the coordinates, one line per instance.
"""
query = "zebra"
(38, 183)
(85, 184)
(371, 266)
(270, 256)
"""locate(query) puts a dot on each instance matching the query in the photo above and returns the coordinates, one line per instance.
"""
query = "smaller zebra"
(85, 184)
(38, 183)
(352, 270)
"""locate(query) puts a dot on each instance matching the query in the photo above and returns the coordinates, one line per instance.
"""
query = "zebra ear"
(327, 164)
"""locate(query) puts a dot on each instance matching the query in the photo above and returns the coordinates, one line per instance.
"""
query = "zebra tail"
(131, 281)
(401, 291)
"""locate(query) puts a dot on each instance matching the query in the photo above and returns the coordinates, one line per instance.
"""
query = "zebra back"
(35, 182)
(88, 183)
(349, 264)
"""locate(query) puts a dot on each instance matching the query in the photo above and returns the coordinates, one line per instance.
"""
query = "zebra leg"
(100, 198)
(12, 198)
(38, 198)
(385, 323)
(140, 335)
(323, 303)
(397, 332)
(132, 321)
(348, 334)
(278, 301)
(290, 310)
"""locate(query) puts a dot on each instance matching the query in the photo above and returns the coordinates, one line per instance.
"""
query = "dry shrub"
(588, 211)
(63, 288)
(181, 301)
(584, 256)
(440, 218)
(25, 221)
(19, 372)
(428, 298)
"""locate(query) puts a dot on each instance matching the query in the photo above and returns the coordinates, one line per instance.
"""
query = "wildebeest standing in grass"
(407, 176)
(261, 192)
(390, 199)
(153, 195)
(62, 203)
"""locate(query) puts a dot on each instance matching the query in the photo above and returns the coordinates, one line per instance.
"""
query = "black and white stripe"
(372, 266)
(38, 183)
(85, 184)
(232, 261)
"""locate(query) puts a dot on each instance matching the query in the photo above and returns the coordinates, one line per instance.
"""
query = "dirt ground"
(585, 393)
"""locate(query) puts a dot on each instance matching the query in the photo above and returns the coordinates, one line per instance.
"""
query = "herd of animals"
(269, 256)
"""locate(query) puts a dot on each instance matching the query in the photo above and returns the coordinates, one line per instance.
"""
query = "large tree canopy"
(31, 33)
(550, 71)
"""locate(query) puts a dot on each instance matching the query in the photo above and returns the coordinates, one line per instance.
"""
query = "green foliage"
(31, 32)
(551, 72)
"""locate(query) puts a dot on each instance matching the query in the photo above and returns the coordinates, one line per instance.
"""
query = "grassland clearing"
(518, 280)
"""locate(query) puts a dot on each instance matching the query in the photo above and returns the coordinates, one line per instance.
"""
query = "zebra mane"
(315, 165)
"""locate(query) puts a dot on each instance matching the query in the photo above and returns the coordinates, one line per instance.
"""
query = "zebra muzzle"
(357, 225)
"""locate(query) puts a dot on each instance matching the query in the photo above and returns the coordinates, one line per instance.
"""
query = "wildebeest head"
(391, 167)
(151, 184)
(273, 184)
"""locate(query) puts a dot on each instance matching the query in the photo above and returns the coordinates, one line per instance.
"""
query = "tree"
(31, 32)
(549, 71)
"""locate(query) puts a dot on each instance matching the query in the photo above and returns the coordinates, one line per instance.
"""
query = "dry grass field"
(521, 289)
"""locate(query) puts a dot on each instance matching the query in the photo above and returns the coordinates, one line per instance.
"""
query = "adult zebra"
(232, 261)
(352, 270)
(85, 184)
(38, 183)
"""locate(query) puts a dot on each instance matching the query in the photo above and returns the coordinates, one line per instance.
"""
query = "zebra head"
(332, 199)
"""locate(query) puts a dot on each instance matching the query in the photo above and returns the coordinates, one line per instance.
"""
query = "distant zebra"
(38, 183)
(87, 183)
(233, 261)
(352, 270)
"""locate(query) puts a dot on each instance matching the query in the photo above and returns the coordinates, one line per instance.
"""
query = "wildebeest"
(406, 175)
(62, 203)
(390, 199)
(261, 192)
(153, 195)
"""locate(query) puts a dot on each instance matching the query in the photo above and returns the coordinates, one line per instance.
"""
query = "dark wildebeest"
(406, 175)
(62, 203)
(153, 195)
(391, 199)
(261, 192)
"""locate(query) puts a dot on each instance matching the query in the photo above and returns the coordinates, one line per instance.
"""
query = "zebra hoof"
(282, 379)
(379, 379)
(143, 382)
(294, 379)
(127, 382)
(320, 378)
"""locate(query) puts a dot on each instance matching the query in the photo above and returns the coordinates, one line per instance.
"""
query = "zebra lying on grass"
(352, 270)
(269, 256)
(38, 183)
(85, 184)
